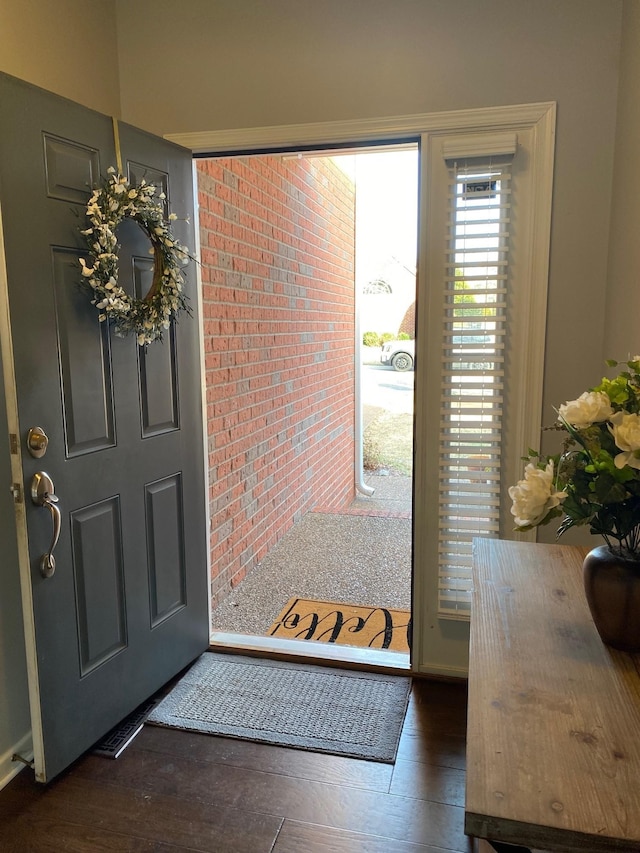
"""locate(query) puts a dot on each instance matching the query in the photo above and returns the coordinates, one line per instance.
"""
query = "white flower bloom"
(111, 170)
(625, 430)
(534, 496)
(592, 407)
(86, 271)
(173, 217)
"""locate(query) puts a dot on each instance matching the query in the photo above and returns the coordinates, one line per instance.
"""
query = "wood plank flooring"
(176, 791)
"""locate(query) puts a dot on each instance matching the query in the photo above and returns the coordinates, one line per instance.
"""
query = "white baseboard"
(9, 768)
(437, 671)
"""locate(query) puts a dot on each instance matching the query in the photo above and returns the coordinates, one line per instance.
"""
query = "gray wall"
(241, 63)
(622, 330)
(65, 46)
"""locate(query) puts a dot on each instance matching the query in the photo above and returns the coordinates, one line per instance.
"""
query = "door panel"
(165, 541)
(70, 168)
(159, 387)
(84, 354)
(98, 569)
(127, 606)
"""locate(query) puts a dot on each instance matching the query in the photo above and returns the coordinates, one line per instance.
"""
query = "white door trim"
(203, 374)
(540, 118)
(22, 539)
(360, 130)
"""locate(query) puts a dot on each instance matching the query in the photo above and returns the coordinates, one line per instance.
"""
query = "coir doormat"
(357, 714)
(344, 624)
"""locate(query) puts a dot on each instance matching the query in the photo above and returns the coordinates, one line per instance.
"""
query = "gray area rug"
(358, 714)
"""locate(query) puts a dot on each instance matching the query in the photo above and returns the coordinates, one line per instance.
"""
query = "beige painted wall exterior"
(65, 46)
(622, 329)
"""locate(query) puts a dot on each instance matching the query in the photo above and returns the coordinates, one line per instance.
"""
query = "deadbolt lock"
(37, 442)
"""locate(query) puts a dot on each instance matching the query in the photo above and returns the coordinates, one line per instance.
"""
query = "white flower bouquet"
(595, 479)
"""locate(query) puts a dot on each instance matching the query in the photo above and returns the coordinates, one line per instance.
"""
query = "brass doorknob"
(37, 442)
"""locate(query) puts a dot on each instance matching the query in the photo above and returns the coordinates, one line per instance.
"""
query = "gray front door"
(126, 608)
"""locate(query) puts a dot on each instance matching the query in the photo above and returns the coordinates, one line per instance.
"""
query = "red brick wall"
(408, 324)
(277, 242)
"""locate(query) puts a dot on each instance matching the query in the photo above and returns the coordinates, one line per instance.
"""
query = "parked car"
(401, 355)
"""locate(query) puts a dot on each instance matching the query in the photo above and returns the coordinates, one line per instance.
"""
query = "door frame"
(18, 497)
(541, 118)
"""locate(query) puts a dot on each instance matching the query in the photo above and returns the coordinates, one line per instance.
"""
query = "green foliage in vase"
(595, 479)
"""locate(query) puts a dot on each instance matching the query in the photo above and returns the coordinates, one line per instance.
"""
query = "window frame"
(441, 644)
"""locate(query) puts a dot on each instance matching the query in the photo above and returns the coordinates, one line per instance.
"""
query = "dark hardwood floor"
(176, 791)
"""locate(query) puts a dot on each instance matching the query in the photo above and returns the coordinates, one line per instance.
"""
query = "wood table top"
(553, 738)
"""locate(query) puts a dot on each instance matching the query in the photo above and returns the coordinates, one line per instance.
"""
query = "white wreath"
(149, 317)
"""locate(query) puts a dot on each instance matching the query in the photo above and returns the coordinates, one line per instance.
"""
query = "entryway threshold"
(325, 654)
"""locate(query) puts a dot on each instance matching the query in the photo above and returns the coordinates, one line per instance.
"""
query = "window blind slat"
(472, 375)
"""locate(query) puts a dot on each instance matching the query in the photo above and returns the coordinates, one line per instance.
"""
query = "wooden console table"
(553, 739)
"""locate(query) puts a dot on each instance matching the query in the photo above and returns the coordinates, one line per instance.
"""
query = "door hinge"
(13, 443)
(16, 491)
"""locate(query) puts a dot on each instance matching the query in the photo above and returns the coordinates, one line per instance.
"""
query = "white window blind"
(471, 405)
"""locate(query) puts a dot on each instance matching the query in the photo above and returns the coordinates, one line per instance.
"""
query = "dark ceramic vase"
(612, 585)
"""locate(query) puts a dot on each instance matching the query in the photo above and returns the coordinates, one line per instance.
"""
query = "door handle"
(43, 494)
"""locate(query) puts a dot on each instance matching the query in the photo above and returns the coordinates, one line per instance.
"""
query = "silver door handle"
(43, 494)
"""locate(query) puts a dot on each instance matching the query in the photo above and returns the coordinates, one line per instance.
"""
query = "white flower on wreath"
(534, 496)
(592, 407)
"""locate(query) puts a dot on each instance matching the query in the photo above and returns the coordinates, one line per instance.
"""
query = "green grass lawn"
(388, 443)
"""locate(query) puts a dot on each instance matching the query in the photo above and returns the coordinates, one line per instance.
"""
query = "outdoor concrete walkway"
(359, 556)
(392, 493)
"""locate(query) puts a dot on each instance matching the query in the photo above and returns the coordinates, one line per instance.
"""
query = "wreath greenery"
(149, 317)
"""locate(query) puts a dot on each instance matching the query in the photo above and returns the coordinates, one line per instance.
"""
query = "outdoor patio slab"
(361, 556)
